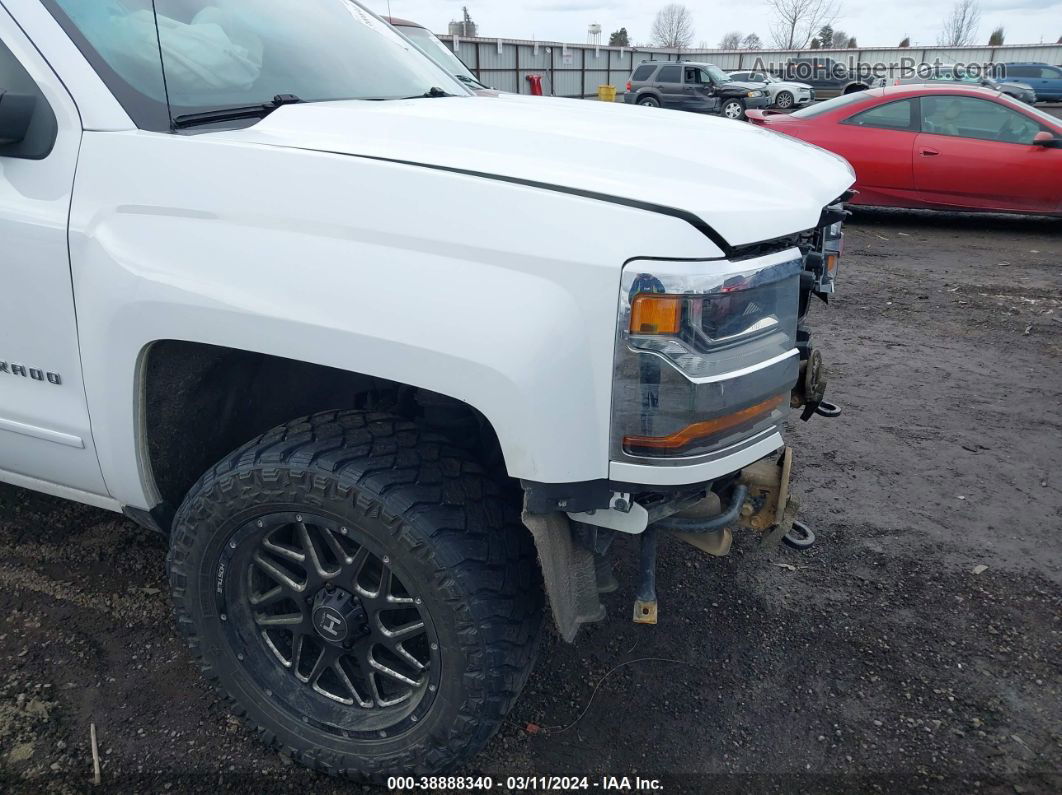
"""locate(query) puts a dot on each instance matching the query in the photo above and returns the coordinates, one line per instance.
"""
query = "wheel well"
(201, 402)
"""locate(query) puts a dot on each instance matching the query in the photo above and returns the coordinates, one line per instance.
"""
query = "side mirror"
(1044, 138)
(16, 113)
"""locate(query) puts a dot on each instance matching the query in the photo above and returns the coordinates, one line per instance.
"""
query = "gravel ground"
(887, 656)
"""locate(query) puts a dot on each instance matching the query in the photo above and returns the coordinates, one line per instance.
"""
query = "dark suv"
(1044, 79)
(828, 77)
(698, 87)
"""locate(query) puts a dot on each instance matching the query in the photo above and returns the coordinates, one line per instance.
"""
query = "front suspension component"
(645, 606)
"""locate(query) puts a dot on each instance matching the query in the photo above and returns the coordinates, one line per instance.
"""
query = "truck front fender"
(499, 295)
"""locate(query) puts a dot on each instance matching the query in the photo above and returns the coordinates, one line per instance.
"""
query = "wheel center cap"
(338, 616)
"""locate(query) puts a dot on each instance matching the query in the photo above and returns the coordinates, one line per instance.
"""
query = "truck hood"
(748, 184)
(743, 85)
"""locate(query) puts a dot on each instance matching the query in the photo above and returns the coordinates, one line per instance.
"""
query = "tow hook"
(800, 536)
(828, 410)
(811, 389)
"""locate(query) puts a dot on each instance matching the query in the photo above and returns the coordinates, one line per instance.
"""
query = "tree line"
(803, 24)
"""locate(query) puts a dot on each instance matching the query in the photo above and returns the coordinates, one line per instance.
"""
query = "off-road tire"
(438, 514)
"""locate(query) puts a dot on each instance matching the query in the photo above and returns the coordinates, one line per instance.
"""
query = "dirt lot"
(877, 659)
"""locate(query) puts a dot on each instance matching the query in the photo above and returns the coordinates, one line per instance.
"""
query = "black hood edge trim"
(661, 209)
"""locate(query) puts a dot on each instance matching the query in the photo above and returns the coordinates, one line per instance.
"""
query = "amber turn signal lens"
(831, 263)
(656, 314)
(699, 431)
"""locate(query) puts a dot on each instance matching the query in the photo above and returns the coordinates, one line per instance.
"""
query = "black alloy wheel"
(361, 591)
(319, 615)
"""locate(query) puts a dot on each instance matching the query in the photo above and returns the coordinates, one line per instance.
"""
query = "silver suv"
(697, 87)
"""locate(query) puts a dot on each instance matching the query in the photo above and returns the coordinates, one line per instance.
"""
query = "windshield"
(428, 43)
(203, 55)
(716, 74)
(831, 104)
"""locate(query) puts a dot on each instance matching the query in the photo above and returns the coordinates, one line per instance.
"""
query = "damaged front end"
(708, 358)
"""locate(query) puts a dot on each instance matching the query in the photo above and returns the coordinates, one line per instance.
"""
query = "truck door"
(45, 442)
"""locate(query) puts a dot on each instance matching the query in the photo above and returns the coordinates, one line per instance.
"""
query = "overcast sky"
(872, 22)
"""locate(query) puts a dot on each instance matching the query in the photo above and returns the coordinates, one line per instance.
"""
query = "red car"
(944, 147)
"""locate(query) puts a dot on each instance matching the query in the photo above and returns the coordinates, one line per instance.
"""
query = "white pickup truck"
(387, 363)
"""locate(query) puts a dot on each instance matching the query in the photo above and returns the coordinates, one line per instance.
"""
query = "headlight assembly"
(706, 354)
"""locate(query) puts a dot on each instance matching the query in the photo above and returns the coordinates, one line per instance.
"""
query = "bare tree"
(960, 26)
(751, 42)
(673, 27)
(795, 21)
(731, 41)
(996, 39)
